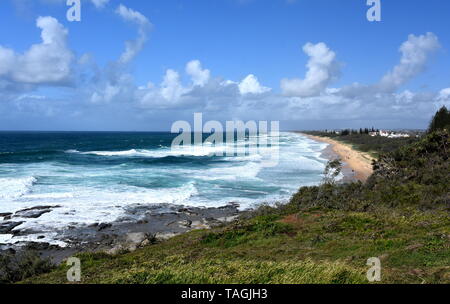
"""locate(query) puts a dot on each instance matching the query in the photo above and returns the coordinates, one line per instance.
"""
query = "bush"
(23, 265)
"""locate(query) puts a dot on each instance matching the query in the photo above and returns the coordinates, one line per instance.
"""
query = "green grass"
(315, 246)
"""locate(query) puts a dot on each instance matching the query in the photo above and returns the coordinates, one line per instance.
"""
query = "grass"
(314, 246)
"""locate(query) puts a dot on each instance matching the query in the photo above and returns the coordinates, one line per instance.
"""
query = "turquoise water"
(94, 177)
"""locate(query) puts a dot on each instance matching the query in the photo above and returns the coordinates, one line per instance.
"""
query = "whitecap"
(12, 188)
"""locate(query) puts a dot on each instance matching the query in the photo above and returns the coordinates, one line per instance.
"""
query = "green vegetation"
(440, 121)
(17, 267)
(366, 143)
(324, 235)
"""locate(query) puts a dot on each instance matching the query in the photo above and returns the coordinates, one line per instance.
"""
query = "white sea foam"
(247, 171)
(242, 148)
(11, 188)
(159, 153)
(90, 193)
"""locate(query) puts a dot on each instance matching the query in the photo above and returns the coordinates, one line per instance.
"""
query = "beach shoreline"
(357, 164)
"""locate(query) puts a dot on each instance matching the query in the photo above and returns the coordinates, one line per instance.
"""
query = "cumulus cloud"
(251, 85)
(204, 92)
(51, 63)
(199, 76)
(171, 88)
(444, 98)
(445, 93)
(133, 47)
(322, 69)
(48, 62)
(415, 53)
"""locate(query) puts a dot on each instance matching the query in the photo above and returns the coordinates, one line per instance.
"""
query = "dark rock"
(31, 213)
(34, 212)
(7, 227)
(104, 226)
(38, 246)
(5, 214)
(39, 208)
(187, 211)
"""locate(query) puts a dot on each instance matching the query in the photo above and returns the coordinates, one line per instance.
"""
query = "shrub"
(22, 265)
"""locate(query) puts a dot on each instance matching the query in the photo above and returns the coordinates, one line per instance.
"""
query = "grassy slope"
(325, 235)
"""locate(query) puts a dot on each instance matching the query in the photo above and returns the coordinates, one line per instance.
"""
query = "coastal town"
(378, 133)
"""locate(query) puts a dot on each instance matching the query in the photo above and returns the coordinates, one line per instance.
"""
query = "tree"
(440, 121)
(345, 132)
(332, 170)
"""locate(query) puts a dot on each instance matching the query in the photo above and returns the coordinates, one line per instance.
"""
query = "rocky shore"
(141, 225)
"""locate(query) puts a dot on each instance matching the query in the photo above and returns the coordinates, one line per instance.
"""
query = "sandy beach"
(359, 163)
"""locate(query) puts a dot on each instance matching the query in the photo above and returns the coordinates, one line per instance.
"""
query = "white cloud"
(100, 3)
(199, 76)
(445, 93)
(7, 60)
(171, 88)
(106, 95)
(251, 85)
(415, 53)
(443, 98)
(322, 69)
(204, 93)
(309, 99)
(133, 47)
(46, 63)
(114, 83)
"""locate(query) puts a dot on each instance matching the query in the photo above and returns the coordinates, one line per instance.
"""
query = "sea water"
(95, 177)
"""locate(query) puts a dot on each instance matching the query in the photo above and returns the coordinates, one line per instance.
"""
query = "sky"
(133, 65)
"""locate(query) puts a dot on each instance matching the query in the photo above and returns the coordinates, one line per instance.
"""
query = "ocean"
(95, 177)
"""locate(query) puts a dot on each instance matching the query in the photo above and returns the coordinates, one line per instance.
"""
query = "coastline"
(357, 165)
(127, 234)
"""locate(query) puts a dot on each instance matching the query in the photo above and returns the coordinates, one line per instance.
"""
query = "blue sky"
(307, 63)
